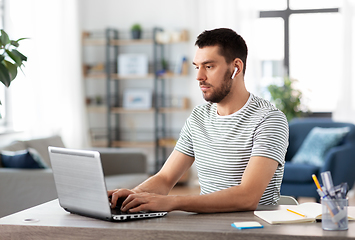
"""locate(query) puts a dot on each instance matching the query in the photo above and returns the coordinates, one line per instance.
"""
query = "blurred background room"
(76, 82)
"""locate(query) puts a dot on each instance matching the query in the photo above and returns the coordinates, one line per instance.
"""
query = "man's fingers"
(139, 208)
(127, 201)
(117, 194)
(110, 192)
(132, 203)
(114, 198)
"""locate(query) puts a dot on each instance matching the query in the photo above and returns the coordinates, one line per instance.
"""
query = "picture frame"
(137, 98)
(132, 64)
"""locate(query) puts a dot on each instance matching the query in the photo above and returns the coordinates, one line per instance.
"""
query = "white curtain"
(48, 98)
(345, 110)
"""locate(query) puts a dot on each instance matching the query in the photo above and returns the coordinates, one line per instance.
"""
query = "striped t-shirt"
(223, 145)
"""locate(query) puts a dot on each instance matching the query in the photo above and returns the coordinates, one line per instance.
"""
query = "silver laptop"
(81, 186)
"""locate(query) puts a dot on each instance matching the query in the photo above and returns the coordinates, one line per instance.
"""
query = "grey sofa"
(25, 188)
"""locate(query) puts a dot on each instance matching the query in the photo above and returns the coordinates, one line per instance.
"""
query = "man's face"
(213, 74)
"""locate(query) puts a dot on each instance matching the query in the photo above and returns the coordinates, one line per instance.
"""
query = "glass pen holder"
(335, 214)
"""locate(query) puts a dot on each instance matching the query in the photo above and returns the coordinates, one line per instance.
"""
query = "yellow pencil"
(316, 182)
(302, 215)
(319, 187)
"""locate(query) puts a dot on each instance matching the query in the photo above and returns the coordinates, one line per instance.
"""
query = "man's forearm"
(228, 200)
(243, 197)
(155, 184)
(173, 169)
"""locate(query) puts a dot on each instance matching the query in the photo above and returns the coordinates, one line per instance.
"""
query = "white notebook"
(310, 211)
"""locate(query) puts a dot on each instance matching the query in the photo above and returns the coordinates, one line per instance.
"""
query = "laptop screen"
(80, 183)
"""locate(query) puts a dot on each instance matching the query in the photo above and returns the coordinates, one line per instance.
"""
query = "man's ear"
(238, 63)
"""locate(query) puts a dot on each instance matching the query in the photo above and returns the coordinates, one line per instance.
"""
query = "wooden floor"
(195, 190)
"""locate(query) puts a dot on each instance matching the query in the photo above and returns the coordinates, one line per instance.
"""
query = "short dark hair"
(231, 45)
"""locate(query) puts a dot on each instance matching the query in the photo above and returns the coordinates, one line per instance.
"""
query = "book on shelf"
(302, 213)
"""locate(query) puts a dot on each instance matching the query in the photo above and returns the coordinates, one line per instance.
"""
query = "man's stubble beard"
(220, 93)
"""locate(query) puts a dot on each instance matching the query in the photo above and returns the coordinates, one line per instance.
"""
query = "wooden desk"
(55, 223)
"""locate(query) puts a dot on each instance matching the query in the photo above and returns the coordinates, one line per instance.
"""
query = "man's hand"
(148, 202)
(118, 196)
(151, 194)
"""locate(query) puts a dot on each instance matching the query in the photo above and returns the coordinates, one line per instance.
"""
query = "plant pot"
(136, 34)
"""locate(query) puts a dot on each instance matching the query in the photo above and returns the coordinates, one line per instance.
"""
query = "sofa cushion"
(20, 159)
(37, 157)
(15, 146)
(317, 143)
(41, 145)
(299, 173)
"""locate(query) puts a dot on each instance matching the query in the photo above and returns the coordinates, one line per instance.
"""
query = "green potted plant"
(136, 31)
(286, 98)
(10, 59)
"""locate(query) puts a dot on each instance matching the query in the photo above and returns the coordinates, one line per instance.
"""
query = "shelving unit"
(107, 74)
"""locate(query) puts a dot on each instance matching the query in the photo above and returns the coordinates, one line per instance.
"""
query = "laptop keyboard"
(117, 211)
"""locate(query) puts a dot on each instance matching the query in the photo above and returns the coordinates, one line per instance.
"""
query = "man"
(237, 140)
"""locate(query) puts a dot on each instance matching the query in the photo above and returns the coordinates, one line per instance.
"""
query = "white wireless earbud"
(235, 72)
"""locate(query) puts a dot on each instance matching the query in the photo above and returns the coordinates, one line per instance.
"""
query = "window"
(270, 50)
(311, 36)
(315, 58)
(314, 4)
